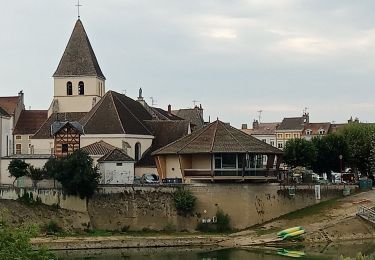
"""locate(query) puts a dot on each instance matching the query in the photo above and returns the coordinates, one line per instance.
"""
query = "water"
(333, 251)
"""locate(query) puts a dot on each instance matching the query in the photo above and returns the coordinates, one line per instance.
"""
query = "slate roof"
(116, 114)
(9, 104)
(116, 155)
(194, 115)
(3, 112)
(165, 132)
(98, 148)
(292, 123)
(44, 131)
(79, 58)
(58, 125)
(265, 129)
(315, 127)
(30, 121)
(218, 137)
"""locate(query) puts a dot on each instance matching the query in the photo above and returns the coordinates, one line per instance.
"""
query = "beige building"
(290, 128)
(218, 152)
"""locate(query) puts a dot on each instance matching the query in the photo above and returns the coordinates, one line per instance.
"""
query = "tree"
(36, 174)
(77, 174)
(329, 148)
(52, 167)
(15, 244)
(299, 152)
(17, 169)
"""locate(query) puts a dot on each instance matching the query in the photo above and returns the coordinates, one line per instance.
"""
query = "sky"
(235, 57)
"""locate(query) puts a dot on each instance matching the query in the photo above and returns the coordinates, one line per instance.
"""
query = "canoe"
(294, 234)
(291, 253)
(287, 231)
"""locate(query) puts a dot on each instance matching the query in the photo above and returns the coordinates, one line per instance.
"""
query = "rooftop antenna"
(124, 92)
(153, 101)
(78, 6)
(305, 110)
(195, 102)
(259, 114)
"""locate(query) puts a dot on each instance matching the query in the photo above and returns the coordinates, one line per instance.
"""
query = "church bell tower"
(79, 82)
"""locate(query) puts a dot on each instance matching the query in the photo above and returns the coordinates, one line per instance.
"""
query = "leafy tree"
(36, 174)
(17, 169)
(329, 148)
(77, 174)
(52, 167)
(359, 141)
(15, 244)
(184, 201)
(299, 152)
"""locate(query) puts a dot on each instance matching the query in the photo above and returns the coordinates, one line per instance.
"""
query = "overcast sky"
(235, 57)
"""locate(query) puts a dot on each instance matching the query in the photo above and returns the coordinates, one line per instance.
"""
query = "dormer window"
(308, 132)
(69, 88)
(322, 131)
(81, 88)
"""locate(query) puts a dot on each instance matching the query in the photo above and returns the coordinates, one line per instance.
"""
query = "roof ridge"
(195, 137)
(234, 136)
(92, 111)
(145, 127)
(213, 139)
(118, 116)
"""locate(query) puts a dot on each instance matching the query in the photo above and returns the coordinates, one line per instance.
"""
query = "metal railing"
(366, 213)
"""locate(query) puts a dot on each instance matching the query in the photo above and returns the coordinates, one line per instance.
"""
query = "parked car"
(150, 179)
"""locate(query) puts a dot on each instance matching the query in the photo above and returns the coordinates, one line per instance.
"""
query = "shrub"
(17, 169)
(184, 201)
(223, 222)
(28, 199)
(52, 227)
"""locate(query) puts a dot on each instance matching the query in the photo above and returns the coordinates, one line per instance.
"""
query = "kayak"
(294, 234)
(287, 231)
(290, 253)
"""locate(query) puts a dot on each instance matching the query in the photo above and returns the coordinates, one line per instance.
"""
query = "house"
(265, 132)
(218, 152)
(290, 128)
(67, 137)
(27, 125)
(312, 130)
(193, 115)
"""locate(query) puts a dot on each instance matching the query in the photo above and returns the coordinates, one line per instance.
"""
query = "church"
(119, 133)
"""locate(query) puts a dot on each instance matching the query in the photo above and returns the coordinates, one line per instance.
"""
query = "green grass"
(312, 210)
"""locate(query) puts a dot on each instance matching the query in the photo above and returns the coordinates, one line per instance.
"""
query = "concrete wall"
(47, 196)
(111, 173)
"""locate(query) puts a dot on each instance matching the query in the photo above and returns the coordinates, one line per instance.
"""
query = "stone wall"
(140, 208)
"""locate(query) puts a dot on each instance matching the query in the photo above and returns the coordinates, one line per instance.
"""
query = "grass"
(312, 210)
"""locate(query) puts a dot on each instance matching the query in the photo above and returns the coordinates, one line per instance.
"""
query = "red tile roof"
(98, 148)
(9, 104)
(30, 121)
(315, 127)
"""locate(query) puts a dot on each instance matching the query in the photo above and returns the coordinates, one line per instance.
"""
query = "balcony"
(231, 174)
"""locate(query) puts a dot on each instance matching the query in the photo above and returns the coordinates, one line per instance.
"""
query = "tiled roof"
(9, 104)
(79, 58)
(218, 137)
(58, 125)
(161, 114)
(315, 127)
(292, 123)
(265, 129)
(98, 148)
(116, 114)
(116, 155)
(194, 115)
(44, 131)
(165, 132)
(337, 127)
(3, 112)
(30, 121)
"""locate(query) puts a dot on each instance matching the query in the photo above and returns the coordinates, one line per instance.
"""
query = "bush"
(52, 227)
(223, 222)
(28, 199)
(184, 201)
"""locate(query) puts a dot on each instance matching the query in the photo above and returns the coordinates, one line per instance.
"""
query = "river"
(332, 251)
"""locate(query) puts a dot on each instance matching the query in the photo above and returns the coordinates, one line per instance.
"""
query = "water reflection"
(328, 252)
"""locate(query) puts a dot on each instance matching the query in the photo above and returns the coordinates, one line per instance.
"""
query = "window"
(287, 136)
(18, 148)
(264, 140)
(118, 164)
(217, 160)
(229, 161)
(279, 136)
(64, 148)
(295, 135)
(81, 88)
(18, 137)
(137, 152)
(322, 131)
(308, 132)
(272, 142)
(30, 136)
(69, 88)
(279, 145)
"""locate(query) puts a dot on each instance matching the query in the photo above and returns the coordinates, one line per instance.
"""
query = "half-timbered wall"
(67, 140)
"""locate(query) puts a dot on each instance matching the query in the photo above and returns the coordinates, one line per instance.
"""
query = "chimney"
(356, 120)
(255, 124)
(244, 126)
(306, 118)
(169, 109)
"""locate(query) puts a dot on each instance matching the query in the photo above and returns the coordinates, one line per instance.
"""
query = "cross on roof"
(78, 6)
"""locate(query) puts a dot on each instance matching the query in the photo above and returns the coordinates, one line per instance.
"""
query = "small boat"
(291, 253)
(294, 234)
(284, 232)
